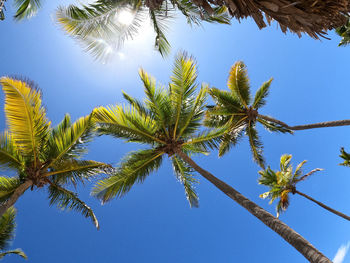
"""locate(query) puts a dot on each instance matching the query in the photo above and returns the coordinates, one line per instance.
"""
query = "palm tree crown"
(238, 112)
(7, 234)
(168, 120)
(42, 155)
(283, 182)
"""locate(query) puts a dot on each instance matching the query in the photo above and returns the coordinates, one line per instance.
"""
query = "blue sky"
(154, 223)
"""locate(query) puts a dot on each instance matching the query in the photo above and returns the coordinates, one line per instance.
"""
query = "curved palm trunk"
(308, 126)
(14, 197)
(288, 234)
(324, 206)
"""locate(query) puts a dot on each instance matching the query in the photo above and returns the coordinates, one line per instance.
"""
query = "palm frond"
(183, 85)
(126, 123)
(229, 139)
(261, 94)
(158, 22)
(274, 127)
(9, 155)
(26, 8)
(345, 156)
(65, 199)
(7, 228)
(157, 101)
(238, 83)
(75, 171)
(139, 106)
(7, 187)
(134, 168)
(70, 140)
(225, 99)
(98, 27)
(25, 116)
(17, 251)
(256, 145)
(191, 120)
(184, 174)
(208, 139)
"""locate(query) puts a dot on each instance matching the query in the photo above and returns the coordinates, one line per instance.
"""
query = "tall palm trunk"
(308, 126)
(288, 234)
(14, 197)
(324, 206)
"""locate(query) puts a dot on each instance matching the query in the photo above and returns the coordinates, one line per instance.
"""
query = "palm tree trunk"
(288, 234)
(14, 197)
(308, 126)
(324, 206)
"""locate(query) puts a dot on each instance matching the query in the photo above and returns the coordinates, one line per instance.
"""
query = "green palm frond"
(185, 175)
(255, 144)
(7, 228)
(26, 117)
(238, 83)
(127, 123)
(345, 156)
(26, 8)
(134, 168)
(65, 199)
(225, 98)
(182, 86)
(274, 127)
(138, 105)
(70, 140)
(9, 154)
(159, 25)
(230, 139)
(261, 94)
(7, 187)
(193, 114)
(208, 139)
(158, 102)
(17, 251)
(344, 32)
(75, 171)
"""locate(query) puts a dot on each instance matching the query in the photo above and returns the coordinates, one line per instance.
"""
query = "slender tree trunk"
(288, 234)
(308, 126)
(14, 197)
(324, 206)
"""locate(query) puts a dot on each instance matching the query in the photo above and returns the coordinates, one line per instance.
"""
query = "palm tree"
(283, 182)
(98, 28)
(25, 9)
(168, 121)
(239, 112)
(40, 154)
(7, 233)
(101, 29)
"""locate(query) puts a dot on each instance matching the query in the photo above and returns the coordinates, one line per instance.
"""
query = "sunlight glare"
(125, 17)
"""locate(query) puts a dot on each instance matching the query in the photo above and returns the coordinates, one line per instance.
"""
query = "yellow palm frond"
(26, 117)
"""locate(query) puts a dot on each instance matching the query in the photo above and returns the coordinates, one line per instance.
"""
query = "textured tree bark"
(13, 199)
(324, 206)
(288, 234)
(308, 126)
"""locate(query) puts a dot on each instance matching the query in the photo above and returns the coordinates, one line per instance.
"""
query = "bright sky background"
(154, 223)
